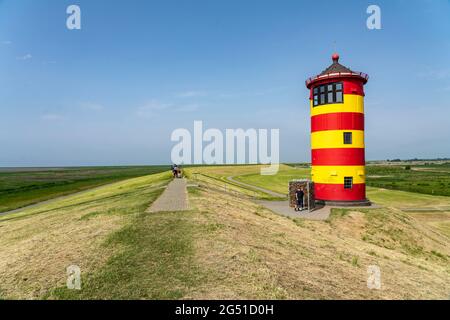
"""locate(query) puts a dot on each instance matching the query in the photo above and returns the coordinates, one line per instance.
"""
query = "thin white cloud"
(192, 94)
(25, 57)
(269, 91)
(227, 95)
(188, 108)
(92, 106)
(52, 117)
(440, 74)
(151, 109)
(264, 92)
(155, 107)
(6, 42)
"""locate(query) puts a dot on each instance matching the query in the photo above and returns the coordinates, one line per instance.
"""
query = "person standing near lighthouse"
(299, 196)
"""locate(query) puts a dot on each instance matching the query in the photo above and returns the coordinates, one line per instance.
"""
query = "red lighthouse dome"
(335, 57)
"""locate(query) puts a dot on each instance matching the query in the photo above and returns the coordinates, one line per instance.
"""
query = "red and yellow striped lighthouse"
(337, 134)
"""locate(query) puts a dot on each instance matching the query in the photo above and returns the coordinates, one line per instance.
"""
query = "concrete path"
(270, 192)
(318, 213)
(283, 208)
(174, 198)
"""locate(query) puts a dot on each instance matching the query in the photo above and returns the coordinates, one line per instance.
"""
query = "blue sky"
(113, 92)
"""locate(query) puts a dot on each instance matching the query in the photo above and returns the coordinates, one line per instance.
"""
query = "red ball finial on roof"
(335, 57)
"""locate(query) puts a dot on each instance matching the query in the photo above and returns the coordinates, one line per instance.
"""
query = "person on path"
(175, 170)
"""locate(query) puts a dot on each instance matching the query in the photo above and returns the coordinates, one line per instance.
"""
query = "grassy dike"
(421, 179)
(123, 252)
(20, 187)
(154, 260)
(226, 247)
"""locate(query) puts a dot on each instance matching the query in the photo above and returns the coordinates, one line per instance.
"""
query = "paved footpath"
(174, 198)
(319, 213)
(283, 208)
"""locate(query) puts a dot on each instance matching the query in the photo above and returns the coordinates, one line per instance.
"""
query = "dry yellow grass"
(36, 252)
(254, 254)
(227, 171)
(38, 244)
(431, 210)
(239, 249)
(218, 176)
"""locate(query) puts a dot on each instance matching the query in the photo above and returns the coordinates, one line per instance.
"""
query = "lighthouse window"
(328, 93)
(348, 138)
(330, 96)
(348, 182)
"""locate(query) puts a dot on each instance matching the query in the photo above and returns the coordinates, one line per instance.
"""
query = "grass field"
(91, 230)
(225, 247)
(433, 210)
(279, 182)
(218, 176)
(21, 187)
(424, 179)
(427, 179)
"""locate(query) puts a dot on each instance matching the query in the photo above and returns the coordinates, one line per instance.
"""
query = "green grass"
(434, 180)
(22, 187)
(218, 179)
(100, 219)
(155, 261)
(152, 254)
(428, 180)
(355, 261)
(405, 199)
(219, 249)
(279, 182)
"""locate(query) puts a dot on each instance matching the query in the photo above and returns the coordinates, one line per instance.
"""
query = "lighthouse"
(337, 135)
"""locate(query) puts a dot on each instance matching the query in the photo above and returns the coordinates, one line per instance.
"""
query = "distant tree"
(408, 168)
